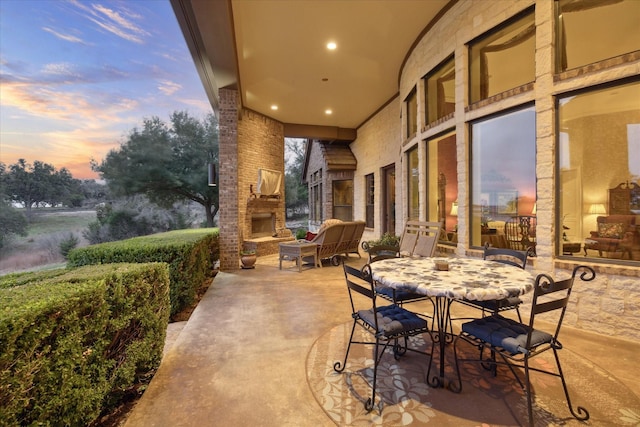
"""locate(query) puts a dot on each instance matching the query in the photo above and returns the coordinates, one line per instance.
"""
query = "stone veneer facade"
(609, 305)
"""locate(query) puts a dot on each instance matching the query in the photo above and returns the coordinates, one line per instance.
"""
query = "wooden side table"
(298, 250)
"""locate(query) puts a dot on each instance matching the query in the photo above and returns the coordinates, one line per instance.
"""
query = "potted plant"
(248, 258)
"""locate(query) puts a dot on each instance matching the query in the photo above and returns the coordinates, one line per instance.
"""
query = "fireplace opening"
(263, 225)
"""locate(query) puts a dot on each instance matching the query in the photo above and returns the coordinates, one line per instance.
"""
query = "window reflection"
(440, 91)
(369, 202)
(591, 31)
(412, 114)
(343, 200)
(413, 180)
(503, 59)
(503, 155)
(442, 176)
(599, 172)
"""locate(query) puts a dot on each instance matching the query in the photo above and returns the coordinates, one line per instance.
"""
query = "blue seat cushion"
(400, 295)
(494, 305)
(393, 320)
(505, 333)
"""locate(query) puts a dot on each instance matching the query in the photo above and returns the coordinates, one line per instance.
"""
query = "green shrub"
(301, 233)
(68, 243)
(190, 254)
(71, 340)
(386, 239)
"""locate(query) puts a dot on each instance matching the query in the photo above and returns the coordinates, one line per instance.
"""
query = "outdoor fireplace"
(263, 224)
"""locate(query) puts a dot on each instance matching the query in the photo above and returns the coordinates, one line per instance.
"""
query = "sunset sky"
(77, 76)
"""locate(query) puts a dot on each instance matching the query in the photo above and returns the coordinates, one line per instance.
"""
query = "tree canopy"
(166, 163)
(39, 184)
(296, 191)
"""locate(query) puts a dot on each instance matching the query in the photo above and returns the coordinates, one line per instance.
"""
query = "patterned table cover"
(471, 278)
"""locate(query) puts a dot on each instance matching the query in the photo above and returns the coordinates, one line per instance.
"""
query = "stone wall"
(609, 304)
(377, 146)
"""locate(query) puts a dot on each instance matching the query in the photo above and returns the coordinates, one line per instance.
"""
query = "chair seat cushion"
(393, 320)
(400, 296)
(505, 333)
(501, 304)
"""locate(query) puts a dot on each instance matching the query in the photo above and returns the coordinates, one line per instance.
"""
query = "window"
(413, 179)
(315, 197)
(503, 59)
(589, 31)
(599, 172)
(440, 91)
(503, 173)
(442, 173)
(343, 200)
(369, 191)
(412, 113)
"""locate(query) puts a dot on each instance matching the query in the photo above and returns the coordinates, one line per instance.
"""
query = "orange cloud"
(40, 101)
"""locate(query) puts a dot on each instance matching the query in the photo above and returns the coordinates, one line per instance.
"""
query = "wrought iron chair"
(504, 256)
(386, 324)
(516, 343)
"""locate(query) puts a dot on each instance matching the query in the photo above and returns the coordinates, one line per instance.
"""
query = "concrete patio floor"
(240, 359)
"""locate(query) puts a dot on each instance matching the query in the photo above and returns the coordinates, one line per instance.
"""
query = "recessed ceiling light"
(332, 46)
(274, 107)
(328, 112)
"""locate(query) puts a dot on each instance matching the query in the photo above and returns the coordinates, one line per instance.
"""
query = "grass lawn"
(40, 249)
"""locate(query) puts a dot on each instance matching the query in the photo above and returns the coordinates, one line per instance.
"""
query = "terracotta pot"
(248, 260)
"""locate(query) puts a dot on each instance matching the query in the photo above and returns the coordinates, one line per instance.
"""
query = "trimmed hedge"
(190, 254)
(71, 341)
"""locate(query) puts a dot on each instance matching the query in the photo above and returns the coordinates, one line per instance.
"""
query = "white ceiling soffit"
(282, 58)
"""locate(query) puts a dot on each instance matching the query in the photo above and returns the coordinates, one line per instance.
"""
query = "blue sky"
(77, 76)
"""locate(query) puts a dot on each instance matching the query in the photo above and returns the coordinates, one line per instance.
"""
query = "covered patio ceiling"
(274, 52)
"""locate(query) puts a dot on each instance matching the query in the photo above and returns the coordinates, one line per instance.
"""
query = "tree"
(93, 192)
(11, 220)
(166, 163)
(39, 184)
(296, 191)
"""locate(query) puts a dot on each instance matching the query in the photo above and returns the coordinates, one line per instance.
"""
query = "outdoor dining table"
(466, 278)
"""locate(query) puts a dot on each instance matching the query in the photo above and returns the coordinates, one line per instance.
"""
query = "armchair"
(615, 233)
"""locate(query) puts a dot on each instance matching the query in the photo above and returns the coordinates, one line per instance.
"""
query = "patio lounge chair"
(336, 238)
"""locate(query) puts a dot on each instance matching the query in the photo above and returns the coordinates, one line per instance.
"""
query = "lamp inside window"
(597, 208)
(454, 209)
